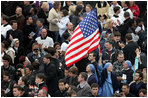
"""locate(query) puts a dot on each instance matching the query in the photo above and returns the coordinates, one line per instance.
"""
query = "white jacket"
(122, 13)
(4, 29)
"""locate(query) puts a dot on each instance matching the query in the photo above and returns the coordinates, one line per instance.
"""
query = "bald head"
(18, 11)
(69, 26)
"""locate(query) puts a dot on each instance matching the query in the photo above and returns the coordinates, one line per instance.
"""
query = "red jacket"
(137, 11)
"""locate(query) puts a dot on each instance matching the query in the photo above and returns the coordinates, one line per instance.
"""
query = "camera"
(36, 49)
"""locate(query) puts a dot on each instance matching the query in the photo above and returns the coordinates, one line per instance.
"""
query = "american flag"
(85, 38)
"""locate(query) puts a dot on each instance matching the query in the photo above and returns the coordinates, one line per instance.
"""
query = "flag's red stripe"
(76, 29)
(78, 53)
(80, 44)
(73, 62)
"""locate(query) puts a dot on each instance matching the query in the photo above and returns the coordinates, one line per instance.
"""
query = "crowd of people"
(35, 36)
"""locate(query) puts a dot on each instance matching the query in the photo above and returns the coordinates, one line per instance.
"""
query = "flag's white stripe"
(75, 32)
(81, 42)
(77, 37)
(80, 48)
(82, 54)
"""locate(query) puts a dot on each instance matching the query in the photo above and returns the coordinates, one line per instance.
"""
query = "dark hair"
(140, 74)
(19, 66)
(35, 43)
(36, 65)
(120, 53)
(41, 76)
(125, 84)
(41, 20)
(94, 53)
(89, 6)
(29, 67)
(65, 12)
(6, 44)
(104, 4)
(128, 36)
(25, 80)
(126, 14)
(6, 19)
(7, 58)
(48, 56)
(56, 43)
(116, 8)
(84, 75)
(72, 92)
(94, 85)
(35, 10)
(108, 41)
(144, 91)
(56, 4)
(127, 3)
(27, 17)
(139, 20)
(78, 10)
(51, 50)
(62, 81)
(116, 33)
(19, 88)
(13, 21)
(6, 73)
(132, 21)
(66, 35)
(73, 70)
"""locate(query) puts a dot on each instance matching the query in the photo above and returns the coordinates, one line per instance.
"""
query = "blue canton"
(89, 24)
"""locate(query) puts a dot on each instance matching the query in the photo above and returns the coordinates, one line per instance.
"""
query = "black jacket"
(74, 81)
(129, 51)
(60, 94)
(104, 76)
(51, 78)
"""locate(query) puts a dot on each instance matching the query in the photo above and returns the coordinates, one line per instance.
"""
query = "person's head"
(138, 76)
(127, 64)
(18, 11)
(40, 22)
(125, 88)
(45, 6)
(94, 89)
(26, 3)
(131, 3)
(66, 36)
(16, 43)
(43, 33)
(6, 61)
(133, 23)
(125, 4)
(6, 76)
(40, 77)
(88, 8)
(128, 37)
(114, 2)
(5, 20)
(108, 44)
(64, 13)
(72, 93)
(29, 20)
(35, 47)
(22, 81)
(139, 21)
(42, 93)
(126, 15)
(120, 56)
(52, 51)
(73, 71)
(90, 69)
(82, 77)
(117, 36)
(36, 65)
(92, 56)
(109, 24)
(18, 91)
(117, 10)
(69, 26)
(57, 5)
(2, 47)
(61, 84)
(109, 67)
(68, 3)
(72, 9)
(57, 46)
(143, 93)
(66, 72)
(28, 69)
(78, 10)
(33, 11)
(79, 3)
(47, 58)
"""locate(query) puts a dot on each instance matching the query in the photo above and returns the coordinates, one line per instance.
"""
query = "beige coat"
(52, 19)
(103, 10)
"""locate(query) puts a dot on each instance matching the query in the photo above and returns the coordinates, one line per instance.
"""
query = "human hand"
(10, 38)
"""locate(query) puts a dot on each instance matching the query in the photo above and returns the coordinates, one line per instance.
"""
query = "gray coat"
(83, 90)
